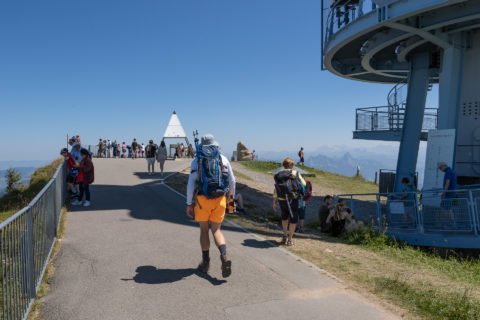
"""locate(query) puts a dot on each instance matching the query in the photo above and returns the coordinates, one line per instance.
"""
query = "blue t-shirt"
(452, 176)
(409, 188)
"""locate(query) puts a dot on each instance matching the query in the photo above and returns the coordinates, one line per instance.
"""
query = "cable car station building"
(413, 44)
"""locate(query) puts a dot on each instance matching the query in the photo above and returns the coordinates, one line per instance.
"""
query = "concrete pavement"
(133, 254)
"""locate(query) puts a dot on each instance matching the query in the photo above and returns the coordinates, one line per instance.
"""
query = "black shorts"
(71, 179)
(286, 215)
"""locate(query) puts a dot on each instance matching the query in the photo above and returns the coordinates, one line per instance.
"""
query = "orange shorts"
(212, 209)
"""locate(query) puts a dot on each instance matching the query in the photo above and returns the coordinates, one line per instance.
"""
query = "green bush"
(16, 200)
(13, 178)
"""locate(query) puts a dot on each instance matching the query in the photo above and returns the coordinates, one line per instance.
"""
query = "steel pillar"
(412, 126)
(450, 85)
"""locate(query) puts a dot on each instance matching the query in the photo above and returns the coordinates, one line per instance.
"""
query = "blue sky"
(244, 70)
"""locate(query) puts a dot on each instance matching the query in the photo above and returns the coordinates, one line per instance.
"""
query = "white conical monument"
(175, 131)
(174, 128)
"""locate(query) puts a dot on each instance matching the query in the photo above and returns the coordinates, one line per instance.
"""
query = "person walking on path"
(210, 184)
(287, 193)
(87, 171)
(134, 148)
(301, 156)
(162, 155)
(151, 151)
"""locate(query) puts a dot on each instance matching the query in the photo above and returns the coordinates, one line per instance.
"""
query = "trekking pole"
(288, 205)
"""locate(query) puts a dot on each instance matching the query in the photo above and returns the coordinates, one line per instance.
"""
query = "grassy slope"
(11, 203)
(322, 178)
(426, 285)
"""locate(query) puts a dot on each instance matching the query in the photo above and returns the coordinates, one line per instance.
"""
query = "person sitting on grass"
(324, 212)
(352, 224)
(338, 217)
(286, 195)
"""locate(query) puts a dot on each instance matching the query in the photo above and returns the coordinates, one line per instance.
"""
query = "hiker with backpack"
(151, 152)
(289, 187)
(210, 184)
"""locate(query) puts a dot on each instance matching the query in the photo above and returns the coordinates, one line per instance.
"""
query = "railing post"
(473, 212)
(379, 214)
(30, 257)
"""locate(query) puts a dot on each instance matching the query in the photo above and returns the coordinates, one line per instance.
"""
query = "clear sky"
(244, 70)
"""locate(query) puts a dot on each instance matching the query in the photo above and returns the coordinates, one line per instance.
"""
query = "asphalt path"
(133, 255)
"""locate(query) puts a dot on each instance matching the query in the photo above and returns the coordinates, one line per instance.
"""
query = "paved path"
(133, 254)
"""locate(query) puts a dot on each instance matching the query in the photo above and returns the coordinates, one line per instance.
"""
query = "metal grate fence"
(26, 242)
(427, 212)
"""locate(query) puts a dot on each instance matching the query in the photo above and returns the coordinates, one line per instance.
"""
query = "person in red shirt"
(85, 178)
(72, 171)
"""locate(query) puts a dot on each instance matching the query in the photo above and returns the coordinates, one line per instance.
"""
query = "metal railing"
(26, 243)
(426, 212)
(343, 12)
(386, 118)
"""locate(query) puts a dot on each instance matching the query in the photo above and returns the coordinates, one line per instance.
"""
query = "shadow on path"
(146, 201)
(152, 275)
(254, 243)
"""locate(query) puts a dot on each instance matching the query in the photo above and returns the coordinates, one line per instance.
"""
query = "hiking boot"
(76, 203)
(86, 204)
(284, 240)
(289, 243)
(204, 266)
(226, 266)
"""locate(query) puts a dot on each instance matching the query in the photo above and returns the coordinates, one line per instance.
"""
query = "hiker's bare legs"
(204, 236)
(291, 231)
(285, 227)
(217, 233)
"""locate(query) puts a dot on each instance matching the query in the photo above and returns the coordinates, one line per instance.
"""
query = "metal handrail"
(373, 115)
(435, 211)
(353, 10)
(26, 243)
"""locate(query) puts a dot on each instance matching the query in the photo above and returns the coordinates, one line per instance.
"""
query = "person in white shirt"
(211, 201)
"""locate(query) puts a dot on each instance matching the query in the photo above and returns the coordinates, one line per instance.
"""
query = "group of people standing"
(113, 149)
(152, 152)
(81, 173)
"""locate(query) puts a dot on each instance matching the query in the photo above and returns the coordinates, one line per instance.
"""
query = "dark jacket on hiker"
(86, 166)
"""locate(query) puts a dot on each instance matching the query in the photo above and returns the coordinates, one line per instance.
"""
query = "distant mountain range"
(344, 161)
